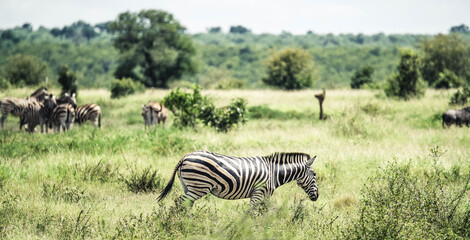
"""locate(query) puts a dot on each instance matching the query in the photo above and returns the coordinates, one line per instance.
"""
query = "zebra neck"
(284, 173)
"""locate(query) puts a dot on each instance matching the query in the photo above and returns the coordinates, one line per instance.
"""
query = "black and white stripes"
(229, 177)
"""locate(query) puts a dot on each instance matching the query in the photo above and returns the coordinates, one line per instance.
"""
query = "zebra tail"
(99, 120)
(170, 183)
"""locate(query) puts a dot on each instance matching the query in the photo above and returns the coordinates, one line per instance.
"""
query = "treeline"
(236, 59)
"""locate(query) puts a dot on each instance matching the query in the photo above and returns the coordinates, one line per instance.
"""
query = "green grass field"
(76, 185)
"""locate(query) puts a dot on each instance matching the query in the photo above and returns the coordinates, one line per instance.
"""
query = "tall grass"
(55, 186)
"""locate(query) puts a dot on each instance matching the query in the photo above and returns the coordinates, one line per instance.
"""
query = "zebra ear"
(73, 95)
(310, 161)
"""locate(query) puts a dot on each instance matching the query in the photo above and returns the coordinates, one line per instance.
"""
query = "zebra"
(227, 177)
(39, 113)
(16, 106)
(62, 115)
(154, 113)
(67, 98)
(90, 112)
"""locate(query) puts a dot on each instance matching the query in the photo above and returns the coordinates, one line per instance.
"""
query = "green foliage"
(402, 204)
(124, 87)
(4, 84)
(224, 119)
(68, 80)
(406, 84)
(186, 107)
(443, 52)
(290, 69)
(145, 181)
(239, 29)
(460, 97)
(153, 47)
(24, 70)
(362, 76)
(189, 109)
(447, 79)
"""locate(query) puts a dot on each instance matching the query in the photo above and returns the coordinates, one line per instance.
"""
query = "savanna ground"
(79, 184)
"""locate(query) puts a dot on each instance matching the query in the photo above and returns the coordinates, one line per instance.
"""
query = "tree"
(214, 30)
(462, 28)
(68, 80)
(24, 69)
(290, 69)
(154, 49)
(362, 76)
(445, 52)
(239, 29)
(407, 83)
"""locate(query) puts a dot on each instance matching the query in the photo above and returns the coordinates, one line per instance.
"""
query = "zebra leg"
(188, 198)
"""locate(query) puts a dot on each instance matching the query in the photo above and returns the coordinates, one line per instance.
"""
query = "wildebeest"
(457, 117)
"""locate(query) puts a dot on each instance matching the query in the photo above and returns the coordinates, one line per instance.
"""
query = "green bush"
(190, 109)
(447, 79)
(361, 77)
(401, 203)
(460, 97)
(124, 87)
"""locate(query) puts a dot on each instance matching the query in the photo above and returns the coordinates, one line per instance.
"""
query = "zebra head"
(68, 99)
(40, 94)
(307, 181)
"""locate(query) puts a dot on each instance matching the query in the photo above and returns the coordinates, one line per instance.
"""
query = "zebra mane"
(38, 91)
(287, 157)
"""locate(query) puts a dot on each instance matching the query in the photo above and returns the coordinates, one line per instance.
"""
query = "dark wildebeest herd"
(42, 108)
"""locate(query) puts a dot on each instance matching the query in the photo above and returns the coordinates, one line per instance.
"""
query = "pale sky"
(260, 16)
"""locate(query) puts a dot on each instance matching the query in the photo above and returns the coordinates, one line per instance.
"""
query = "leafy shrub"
(460, 97)
(447, 79)
(147, 180)
(224, 119)
(361, 77)
(406, 84)
(189, 109)
(402, 204)
(124, 87)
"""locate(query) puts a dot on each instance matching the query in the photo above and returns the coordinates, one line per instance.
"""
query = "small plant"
(145, 181)
(79, 227)
(65, 193)
(101, 171)
(124, 87)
